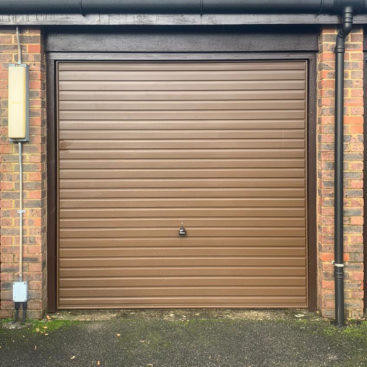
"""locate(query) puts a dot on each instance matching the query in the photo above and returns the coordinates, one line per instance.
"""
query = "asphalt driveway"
(191, 338)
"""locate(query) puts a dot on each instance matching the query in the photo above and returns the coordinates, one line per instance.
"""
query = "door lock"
(182, 232)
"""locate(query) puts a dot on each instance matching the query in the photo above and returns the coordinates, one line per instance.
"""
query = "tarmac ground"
(182, 338)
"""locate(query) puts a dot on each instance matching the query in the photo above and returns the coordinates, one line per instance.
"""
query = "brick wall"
(34, 159)
(353, 177)
(35, 175)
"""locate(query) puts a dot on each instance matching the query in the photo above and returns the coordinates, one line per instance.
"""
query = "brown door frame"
(52, 140)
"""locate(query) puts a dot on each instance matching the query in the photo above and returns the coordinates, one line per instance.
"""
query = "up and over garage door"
(216, 147)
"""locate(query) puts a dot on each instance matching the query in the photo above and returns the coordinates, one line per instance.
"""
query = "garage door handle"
(182, 232)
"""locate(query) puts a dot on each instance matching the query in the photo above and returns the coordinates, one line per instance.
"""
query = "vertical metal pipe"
(20, 211)
(19, 50)
(344, 30)
(339, 186)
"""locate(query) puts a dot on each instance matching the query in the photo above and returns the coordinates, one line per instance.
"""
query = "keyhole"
(182, 230)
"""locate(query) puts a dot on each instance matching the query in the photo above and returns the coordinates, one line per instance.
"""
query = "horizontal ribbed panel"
(144, 147)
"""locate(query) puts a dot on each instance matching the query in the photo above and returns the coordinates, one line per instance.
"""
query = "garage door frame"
(54, 58)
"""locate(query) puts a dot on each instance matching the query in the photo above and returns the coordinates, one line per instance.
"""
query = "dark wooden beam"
(181, 39)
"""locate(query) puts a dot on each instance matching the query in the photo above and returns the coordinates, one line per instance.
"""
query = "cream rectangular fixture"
(18, 102)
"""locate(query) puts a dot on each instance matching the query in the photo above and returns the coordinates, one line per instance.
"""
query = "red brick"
(34, 48)
(327, 284)
(352, 120)
(354, 110)
(358, 129)
(33, 164)
(327, 56)
(357, 276)
(326, 256)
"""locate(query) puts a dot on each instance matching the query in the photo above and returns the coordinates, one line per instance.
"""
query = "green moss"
(353, 331)
(41, 326)
(46, 326)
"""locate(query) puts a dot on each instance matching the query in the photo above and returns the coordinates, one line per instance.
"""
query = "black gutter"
(344, 30)
(180, 6)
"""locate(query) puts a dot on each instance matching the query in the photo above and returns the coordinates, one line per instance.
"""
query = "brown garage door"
(219, 147)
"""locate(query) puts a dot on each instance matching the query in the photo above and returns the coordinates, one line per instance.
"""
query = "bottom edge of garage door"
(127, 307)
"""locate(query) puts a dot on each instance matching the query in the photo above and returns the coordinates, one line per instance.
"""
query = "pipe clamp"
(337, 265)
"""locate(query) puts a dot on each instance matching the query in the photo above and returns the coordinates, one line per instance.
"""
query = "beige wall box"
(18, 103)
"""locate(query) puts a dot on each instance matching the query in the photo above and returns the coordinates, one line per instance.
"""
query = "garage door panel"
(182, 272)
(166, 222)
(176, 135)
(182, 75)
(187, 115)
(181, 163)
(106, 204)
(179, 251)
(168, 232)
(192, 302)
(181, 105)
(97, 95)
(182, 86)
(184, 291)
(184, 173)
(217, 146)
(184, 214)
(182, 144)
(182, 261)
(172, 153)
(187, 193)
(185, 282)
(182, 125)
(239, 242)
(179, 183)
(217, 66)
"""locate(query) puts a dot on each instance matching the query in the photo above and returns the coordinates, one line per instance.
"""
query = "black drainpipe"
(344, 30)
(180, 6)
